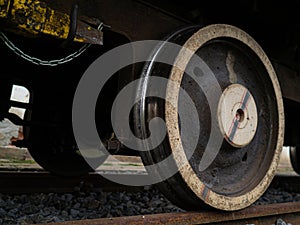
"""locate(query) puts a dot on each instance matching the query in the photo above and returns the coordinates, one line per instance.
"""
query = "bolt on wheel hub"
(237, 115)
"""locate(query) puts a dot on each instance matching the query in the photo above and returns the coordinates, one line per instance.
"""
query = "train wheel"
(295, 158)
(249, 115)
(53, 154)
(55, 149)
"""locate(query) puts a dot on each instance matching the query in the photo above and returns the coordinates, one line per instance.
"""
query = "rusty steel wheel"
(234, 160)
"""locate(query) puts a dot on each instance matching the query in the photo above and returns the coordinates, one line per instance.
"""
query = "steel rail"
(35, 181)
(26, 182)
(283, 213)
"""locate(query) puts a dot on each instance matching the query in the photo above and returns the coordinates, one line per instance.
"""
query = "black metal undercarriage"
(274, 25)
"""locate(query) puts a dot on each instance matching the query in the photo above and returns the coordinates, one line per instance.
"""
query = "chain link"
(42, 62)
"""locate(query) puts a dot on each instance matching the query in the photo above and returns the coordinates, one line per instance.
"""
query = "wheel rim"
(242, 193)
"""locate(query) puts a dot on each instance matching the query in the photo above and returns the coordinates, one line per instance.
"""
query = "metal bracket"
(73, 26)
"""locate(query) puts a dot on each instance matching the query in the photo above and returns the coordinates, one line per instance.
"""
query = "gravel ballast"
(87, 204)
(54, 207)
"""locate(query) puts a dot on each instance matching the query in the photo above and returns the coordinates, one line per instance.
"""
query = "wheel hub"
(237, 115)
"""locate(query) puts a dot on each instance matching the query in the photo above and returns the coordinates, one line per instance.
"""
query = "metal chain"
(37, 61)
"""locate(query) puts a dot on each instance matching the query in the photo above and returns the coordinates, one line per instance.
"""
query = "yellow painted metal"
(4, 7)
(35, 17)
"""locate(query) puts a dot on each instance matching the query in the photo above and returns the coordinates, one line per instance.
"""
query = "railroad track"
(284, 213)
(32, 182)
(27, 178)
(26, 182)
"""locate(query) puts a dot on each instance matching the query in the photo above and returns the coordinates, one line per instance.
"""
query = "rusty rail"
(33, 181)
(262, 215)
(24, 182)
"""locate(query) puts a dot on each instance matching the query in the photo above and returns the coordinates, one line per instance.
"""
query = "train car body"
(251, 47)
